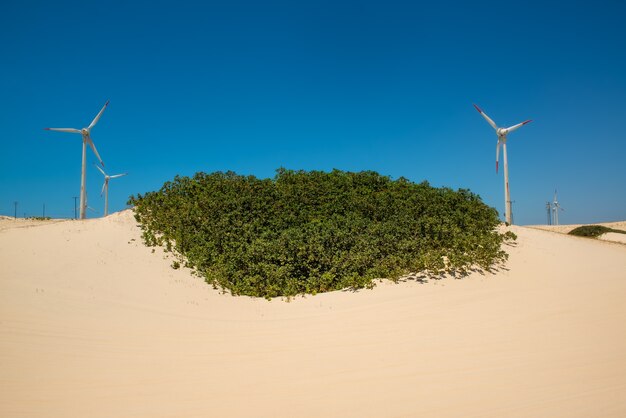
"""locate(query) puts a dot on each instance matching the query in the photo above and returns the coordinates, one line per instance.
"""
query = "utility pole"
(15, 214)
(75, 197)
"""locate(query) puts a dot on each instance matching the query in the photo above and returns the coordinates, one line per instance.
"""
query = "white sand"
(613, 237)
(92, 324)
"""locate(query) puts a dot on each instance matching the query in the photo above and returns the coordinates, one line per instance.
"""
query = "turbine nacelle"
(501, 132)
(107, 178)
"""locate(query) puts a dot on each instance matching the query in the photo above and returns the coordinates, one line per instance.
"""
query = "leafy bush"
(309, 232)
(593, 231)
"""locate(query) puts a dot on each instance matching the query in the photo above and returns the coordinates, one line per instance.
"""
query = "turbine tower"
(556, 207)
(549, 209)
(86, 133)
(105, 188)
(502, 134)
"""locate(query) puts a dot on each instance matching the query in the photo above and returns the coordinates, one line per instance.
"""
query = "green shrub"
(593, 231)
(310, 232)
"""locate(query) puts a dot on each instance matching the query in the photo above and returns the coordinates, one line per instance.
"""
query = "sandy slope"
(564, 229)
(610, 236)
(92, 324)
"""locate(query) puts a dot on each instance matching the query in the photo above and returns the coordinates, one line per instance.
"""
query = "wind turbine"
(105, 188)
(87, 207)
(556, 207)
(502, 133)
(86, 133)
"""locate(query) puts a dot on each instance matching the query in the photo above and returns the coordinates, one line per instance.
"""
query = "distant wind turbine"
(556, 207)
(86, 133)
(502, 133)
(87, 207)
(105, 188)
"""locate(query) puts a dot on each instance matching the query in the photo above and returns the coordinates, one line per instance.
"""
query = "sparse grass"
(310, 232)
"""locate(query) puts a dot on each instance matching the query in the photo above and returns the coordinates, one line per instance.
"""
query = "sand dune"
(92, 323)
(564, 229)
(609, 236)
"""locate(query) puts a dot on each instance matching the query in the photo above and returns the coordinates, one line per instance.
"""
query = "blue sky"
(354, 85)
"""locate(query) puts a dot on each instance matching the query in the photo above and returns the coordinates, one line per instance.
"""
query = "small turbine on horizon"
(556, 207)
(86, 133)
(105, 188)
(549, 209)
(87, 207)
(502, 134)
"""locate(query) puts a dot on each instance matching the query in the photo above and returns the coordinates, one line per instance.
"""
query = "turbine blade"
(118, 175)
(497, 155)
(72, 130)
(487, 118)
(101, 170)
(95, 120)
(103, 186)
(95, 151)
(519, 125)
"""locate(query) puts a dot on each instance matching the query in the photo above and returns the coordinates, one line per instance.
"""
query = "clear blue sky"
(354, 85)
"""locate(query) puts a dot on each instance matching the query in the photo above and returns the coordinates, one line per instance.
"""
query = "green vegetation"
(308, 232)
(593, 231)
(39, 218)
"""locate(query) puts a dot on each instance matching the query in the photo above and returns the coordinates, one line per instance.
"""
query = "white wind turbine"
(105, 188)
(86, 133)
(555, 208)
(502, 133)
(87, 207)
